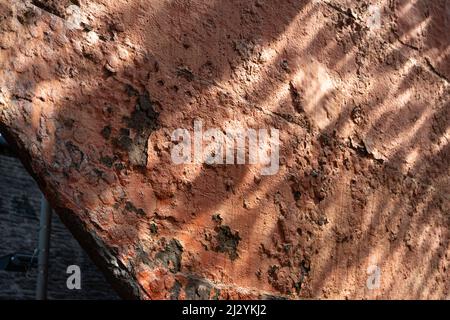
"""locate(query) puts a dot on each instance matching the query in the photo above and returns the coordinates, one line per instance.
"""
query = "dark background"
(20, 200)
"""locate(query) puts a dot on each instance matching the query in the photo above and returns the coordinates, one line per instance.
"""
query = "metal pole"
(2, 141)
(44, 247)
